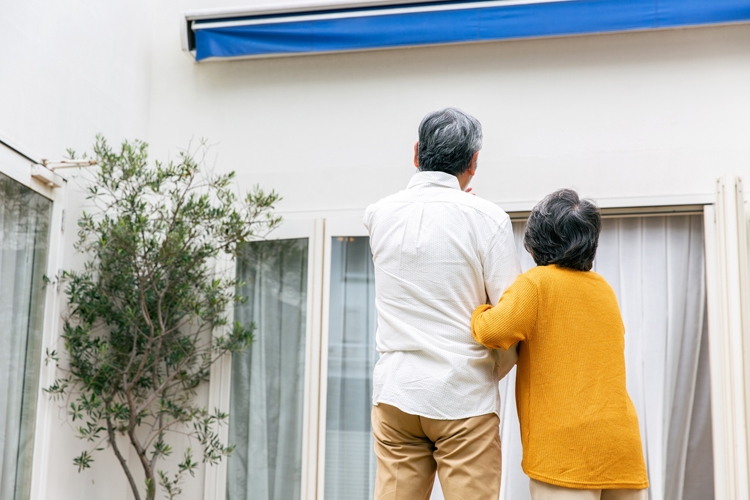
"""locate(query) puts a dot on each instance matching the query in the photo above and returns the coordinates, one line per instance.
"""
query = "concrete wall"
(629, 119)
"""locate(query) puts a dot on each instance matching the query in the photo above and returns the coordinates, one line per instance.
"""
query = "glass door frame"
(221, 372)
(320, 233)
(728, 294)
(17, 167)
(333, 228)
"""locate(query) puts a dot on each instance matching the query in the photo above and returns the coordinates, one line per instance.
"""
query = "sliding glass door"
(349, 456)
(300, 398)
(269, 393)
(24, 237)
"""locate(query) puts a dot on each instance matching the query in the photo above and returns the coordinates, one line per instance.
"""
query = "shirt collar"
(433, 179)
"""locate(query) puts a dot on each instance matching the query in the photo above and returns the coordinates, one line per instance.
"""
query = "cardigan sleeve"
(512, 320)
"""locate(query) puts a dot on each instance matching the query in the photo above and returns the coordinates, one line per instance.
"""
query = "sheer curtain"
(24, 228)
(656, 267)
(350, 459)
(266, 401)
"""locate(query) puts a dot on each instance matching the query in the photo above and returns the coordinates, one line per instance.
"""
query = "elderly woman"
(579, 428)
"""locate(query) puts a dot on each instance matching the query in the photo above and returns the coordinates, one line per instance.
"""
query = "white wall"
(629, 119)
(70, 69)
(636, 116)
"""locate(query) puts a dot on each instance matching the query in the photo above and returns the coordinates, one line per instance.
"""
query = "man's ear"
(473, 164)
(416, 154)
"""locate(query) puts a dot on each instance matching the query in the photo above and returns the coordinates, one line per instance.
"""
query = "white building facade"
(650, 120)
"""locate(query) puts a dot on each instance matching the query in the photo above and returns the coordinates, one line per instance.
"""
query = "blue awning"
(443, 22)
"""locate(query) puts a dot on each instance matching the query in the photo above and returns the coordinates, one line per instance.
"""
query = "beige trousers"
(410, 448)
(544, 491)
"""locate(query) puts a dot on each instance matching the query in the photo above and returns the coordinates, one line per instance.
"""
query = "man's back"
(438, 253)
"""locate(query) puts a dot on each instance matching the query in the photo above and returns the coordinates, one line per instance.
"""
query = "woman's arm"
(511, 320)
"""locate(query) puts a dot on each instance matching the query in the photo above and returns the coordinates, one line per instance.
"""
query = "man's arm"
(367, 219)
(500, 263)
(501, 267)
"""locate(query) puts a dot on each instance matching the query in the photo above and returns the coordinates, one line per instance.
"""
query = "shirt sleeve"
(505, 360)
(500, 262)
(511, 320)
(367, 218)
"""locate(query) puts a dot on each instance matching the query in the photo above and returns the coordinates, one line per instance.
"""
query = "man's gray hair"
(448, 140)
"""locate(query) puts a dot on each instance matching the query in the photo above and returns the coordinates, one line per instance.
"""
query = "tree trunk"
(148, 471)
(123, 462)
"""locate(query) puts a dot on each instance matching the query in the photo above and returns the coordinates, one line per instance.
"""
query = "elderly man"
(438, 253)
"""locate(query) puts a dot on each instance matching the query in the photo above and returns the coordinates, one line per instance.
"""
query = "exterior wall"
(72, 69)
(629, 119)
(69, 70)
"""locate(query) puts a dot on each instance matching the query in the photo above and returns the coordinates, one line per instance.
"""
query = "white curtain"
(24, 228)
(656, 267)
(350, 459)
(266, 402)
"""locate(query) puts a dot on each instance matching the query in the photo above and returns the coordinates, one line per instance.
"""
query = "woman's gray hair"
(448, 140)
(564, 230)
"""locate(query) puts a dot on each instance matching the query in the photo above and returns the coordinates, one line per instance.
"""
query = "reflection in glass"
(24, 235)
(350, 460)
(266, 409)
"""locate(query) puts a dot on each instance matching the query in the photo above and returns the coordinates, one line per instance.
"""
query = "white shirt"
(438, 253)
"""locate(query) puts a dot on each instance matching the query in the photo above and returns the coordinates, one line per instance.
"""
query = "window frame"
(221, 372)
(728, 307)
(18, 167)
(24, 169)
(336, 227)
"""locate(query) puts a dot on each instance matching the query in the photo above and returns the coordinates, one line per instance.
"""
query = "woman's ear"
(416, 154)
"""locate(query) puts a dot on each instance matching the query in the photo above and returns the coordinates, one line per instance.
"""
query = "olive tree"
(146, 314)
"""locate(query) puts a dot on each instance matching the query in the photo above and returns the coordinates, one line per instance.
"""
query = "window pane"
(350, 460)
(266, 409)
(24, 234)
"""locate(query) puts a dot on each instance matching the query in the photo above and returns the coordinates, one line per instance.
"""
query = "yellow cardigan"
(579, 428)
